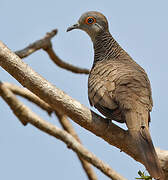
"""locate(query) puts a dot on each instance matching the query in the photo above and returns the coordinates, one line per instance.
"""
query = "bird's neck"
(106, 47)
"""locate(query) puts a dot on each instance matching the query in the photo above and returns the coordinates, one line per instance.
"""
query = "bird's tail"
(138, 128)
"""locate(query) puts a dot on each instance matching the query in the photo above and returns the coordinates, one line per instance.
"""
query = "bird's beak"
(75, 26)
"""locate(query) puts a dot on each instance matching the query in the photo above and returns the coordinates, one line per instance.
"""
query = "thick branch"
(26, 115)
(45, 44)
(60, 101)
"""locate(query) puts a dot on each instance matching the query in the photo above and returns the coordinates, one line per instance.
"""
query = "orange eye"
(90, 20)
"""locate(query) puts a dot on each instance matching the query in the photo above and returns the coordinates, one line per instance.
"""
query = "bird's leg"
(108, 124)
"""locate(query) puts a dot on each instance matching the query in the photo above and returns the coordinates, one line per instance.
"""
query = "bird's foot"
(108, 125)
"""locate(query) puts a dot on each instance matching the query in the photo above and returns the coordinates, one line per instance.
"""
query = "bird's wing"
(117, 85)
(101, 90)
(132, 86)
(100, 86)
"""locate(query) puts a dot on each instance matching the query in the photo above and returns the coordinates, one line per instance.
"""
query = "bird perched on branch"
(119, 88)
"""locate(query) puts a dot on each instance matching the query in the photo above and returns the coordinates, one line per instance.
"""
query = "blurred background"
(140, 27)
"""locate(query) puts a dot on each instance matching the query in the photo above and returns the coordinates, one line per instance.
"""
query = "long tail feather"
(138, 127)
(148, 154)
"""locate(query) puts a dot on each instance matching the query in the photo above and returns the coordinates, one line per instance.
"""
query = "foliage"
(144, 176)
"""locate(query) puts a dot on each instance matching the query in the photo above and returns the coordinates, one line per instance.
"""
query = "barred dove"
(119, 88)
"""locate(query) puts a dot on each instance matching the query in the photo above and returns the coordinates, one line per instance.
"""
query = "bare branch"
(68, 127)
(29, 96)
(26, 115)
(62, 118)
(37, 45)
(45, 44)
(163, 156)
(11, 100)
(63, 64)
(60, 101)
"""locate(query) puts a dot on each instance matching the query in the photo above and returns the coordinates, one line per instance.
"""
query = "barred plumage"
(119, 88)
(105, 47)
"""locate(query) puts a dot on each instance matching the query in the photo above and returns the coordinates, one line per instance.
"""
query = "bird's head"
(91, 22)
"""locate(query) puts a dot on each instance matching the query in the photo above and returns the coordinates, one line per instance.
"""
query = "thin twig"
(43, 43)
(68, 127)
(26, 115)
(46, 45)
(63, 64)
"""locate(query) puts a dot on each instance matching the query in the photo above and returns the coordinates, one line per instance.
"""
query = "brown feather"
(137, 122)
(119, 88)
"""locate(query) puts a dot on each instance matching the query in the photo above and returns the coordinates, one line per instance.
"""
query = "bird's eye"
(90, 20)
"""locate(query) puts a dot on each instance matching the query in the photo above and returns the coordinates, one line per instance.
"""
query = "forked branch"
(46, 44)
(25, 115)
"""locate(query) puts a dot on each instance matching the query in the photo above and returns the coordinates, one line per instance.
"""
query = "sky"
(140, 27)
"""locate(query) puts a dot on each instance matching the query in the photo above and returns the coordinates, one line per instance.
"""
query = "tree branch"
(25, 93)
(45, 44)
(62, 118)
(68, 127)
(163, 157)
(64, 65)
(60, 101)
(24, 114)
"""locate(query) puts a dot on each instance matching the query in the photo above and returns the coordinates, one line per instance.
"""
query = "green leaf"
(143, 176)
